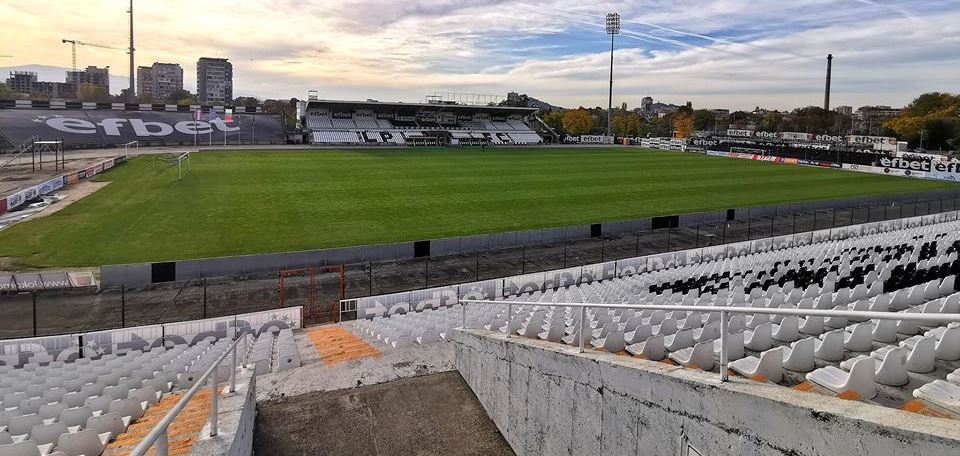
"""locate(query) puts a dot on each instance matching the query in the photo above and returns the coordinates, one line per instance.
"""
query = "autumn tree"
(577, 122)
(935, 116)
(627, 124)
(683, 125)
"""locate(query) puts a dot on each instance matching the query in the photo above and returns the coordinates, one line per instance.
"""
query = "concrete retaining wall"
(548, 400)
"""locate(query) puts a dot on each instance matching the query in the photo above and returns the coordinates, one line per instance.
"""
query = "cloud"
(719, 53)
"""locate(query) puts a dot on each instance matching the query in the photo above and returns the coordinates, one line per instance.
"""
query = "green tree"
(704, 119)
(577, 122)
(90, 92)
(181, 96)
(554, 120)
(772, 121)
(249, 102)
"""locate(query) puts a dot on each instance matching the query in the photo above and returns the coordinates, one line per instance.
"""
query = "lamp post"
(613, 28)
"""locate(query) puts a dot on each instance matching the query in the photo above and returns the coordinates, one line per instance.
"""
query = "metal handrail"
(867, 315)
(159, 435)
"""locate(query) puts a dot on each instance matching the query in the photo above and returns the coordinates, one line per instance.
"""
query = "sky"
(735, 54)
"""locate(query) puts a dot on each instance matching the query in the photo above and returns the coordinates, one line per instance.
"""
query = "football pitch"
(270, 201)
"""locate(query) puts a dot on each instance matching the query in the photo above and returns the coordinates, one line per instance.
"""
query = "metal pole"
(162, 443)
(370, 278)
(214, 401)
(509, 318)
(564, 252)
(610, 99)
(123, 306)
(523, 260)
(233, 369)
(463, 315)
(426, 273)
(244, 350)
(723, 346)
(583, 322)
(204, 298)
(34, 313)
(478, 265)
(697, 243)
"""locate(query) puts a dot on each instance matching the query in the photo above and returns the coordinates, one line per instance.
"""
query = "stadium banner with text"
(99, 343)
(17, 352)
(22, 196)
(81, 128)
(45, 281)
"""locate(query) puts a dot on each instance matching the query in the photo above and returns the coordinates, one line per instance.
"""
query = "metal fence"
(47, 312)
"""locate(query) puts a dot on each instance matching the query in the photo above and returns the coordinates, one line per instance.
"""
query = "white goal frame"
(183, 157)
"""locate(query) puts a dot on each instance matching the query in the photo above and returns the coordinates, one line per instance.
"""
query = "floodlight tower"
(132, 92)
(613, 29)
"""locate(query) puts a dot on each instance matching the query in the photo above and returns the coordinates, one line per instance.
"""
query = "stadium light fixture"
(613, 29)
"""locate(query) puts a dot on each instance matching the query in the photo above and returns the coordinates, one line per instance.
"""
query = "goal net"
(179, 160)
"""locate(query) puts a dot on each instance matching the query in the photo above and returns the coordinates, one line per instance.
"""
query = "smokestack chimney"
(826, 94)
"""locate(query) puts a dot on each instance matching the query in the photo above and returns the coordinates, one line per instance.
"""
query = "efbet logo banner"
(78, 127)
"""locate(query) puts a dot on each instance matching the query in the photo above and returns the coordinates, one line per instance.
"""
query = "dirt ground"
(431, 415)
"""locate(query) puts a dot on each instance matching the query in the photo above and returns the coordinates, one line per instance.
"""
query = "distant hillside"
(536, 103)
(59, 74)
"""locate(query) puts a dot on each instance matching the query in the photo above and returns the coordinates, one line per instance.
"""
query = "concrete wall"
(547, 400)
(235, 425)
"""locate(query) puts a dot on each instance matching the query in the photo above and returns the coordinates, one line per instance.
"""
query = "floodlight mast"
(613, 28)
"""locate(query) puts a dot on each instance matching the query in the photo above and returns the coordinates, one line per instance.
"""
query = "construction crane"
(73, 48)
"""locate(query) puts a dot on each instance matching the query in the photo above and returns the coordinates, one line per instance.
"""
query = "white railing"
(852, 314)
(159, 435)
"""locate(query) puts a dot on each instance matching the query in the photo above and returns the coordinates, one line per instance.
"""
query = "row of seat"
(76, 407)
(906, 270)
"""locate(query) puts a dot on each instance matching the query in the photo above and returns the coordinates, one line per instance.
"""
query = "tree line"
(932, 117)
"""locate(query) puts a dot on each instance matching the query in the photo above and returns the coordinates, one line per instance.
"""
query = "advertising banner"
(876, 142)
(17, 352)
(631, 266)
(796, 136)
(561, 278)
(595, 139)
(718, 153)
(740, 133)
(78, 127)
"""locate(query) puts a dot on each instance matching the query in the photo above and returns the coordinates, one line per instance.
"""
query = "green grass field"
(254, 202)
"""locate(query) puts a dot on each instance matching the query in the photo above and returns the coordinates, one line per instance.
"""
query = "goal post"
(181, 161)
(183, 158)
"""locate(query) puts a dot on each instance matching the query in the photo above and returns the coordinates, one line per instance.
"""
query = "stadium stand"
(910, 270)
(78, 405)
(345, 122)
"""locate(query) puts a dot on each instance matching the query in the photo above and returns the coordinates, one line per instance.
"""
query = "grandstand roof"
(412, 108)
